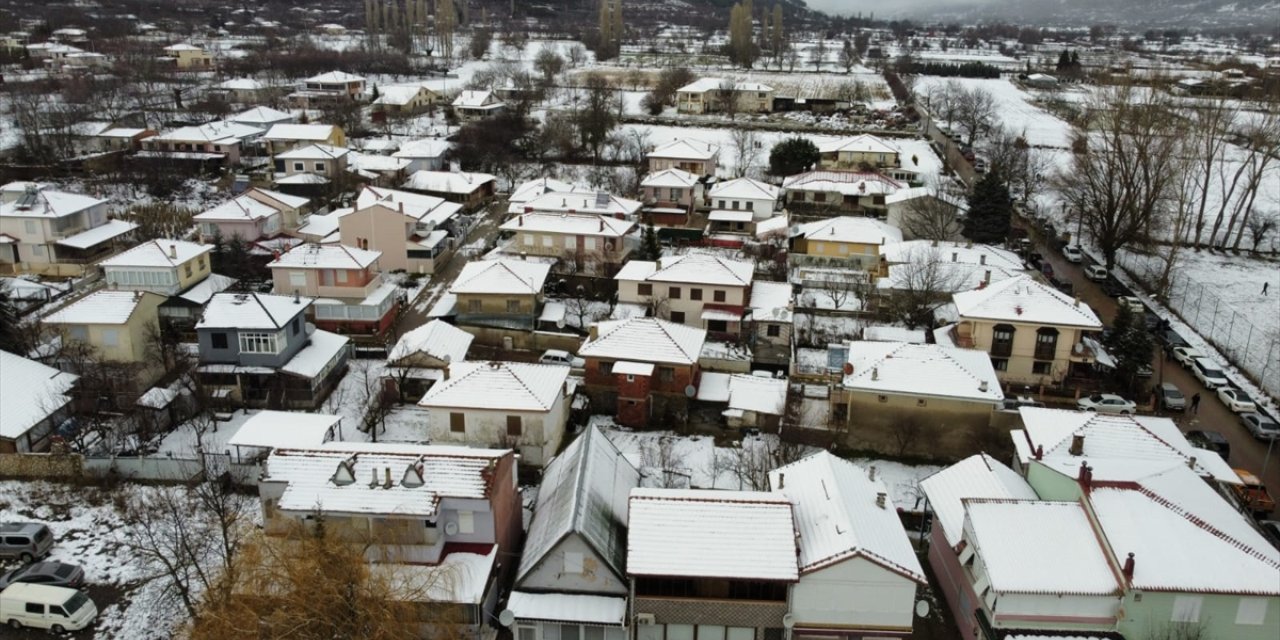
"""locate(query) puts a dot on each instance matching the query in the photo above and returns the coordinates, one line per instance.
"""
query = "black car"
(1170, 339)
(1211, 440)
(1062, 284)
(1114, 289)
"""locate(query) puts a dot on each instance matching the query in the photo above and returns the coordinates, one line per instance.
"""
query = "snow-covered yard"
(1014, 109)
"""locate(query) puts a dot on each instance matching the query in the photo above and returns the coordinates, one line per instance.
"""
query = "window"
(1002, 340)
(722, 204)
(695, 294)
(676, 194)
(513, 306)
(882, 398)
(515, 427)
(751, 206)
(644, 289)
(570, 242)
(819, 197)
(1252, 611)
(773, 331)
(38, 250)
(735, 205)
(548, 241)
(1000, 364)
(718, 326)
(473, 306)
(57, 611)
(921, 402)
(527, 633)
(589, 244)
(1042, 368)
(218, 340)
(35, 608)
(297, 278)
(741, 633)
(466, 522)
(572, 562)
(710, 632)
(30, 226)
(844, 248)
(261, 343)
(341, 276)
(319, 167)
(110, 337)
(666, 374)
(457, 423)
(299, 166)
(295, 326)
(631, 377)
(527, 239)
(677, 317)
(679, 632)
(674, 293)
(718, 295)
(187, 269)
(1046, 343)
(605, 368)
(1186, 609)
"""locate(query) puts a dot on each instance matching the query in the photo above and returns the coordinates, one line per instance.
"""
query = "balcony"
(350, 290)
(1043, 352)
(1003, 349)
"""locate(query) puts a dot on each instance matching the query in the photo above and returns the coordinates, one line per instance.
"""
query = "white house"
(472, 105)
(35, 400)
(745, 194)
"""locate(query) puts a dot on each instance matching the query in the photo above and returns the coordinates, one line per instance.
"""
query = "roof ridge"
(524, 385)
(661, 324)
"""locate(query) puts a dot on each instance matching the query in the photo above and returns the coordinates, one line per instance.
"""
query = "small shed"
(270, 430)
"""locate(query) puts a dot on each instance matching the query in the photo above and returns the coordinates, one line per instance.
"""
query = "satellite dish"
(507, 618)
(922, 608)
(848, 368)
(451, 528)
(559, 323)
(690, 391)
(788, 621)
(447, 358)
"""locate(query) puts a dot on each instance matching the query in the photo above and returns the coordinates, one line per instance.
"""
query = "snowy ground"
(1014, 109)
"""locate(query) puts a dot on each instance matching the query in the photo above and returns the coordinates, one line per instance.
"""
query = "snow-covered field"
(1014, 109)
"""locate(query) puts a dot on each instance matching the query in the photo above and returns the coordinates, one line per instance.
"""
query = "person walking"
(1195, 404)
(1265, 286)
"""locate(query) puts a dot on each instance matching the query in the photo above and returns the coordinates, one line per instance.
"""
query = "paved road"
(1247, 452)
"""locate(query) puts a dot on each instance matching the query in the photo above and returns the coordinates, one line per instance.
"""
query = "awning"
(719, 314)
(98, 235)
(721, 215)
(627, 367)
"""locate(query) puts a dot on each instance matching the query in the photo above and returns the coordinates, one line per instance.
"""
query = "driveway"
(1247, 452)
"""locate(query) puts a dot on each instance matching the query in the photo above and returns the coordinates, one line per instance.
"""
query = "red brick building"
(642, 367)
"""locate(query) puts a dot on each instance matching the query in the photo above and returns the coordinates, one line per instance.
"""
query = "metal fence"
(1254, 349)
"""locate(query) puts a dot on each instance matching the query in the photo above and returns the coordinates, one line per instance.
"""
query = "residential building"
(750, 401)
(598, 203)
(471, 190)
(712, 95)
(698, 289)
(424, 155)
(512, 404)
(903, 207)
(218, 143)
(256, 213)
(770, 314)
(189, 57)
(500, 294)
(180, 312)
(283, 137)
(474, 105)
(858, 571)
(161, 266)
(321, 160)
(120, 327)
(692, 156)
(729, 570)
(36, 400)
(530, 189)
(411, 230)
(351, 294)
(262, 117)
(1033, 332)
(376, 169)
(641, 368)
(404, 99)
(326, 88)
(453, 510)
(45, 230)
(420, 357)
(119, 139)
(572, 571)
(863, 152)
(258, 350)
(744, 194)
(830, 193)
(592, 244)
(672, 189)
(846, 240)
(244, 91)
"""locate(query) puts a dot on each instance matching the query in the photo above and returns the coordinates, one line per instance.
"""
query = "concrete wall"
(542, 432)
(629, 292)
(379, 228)
(854, 594)
(946, 428)
(1218, 616)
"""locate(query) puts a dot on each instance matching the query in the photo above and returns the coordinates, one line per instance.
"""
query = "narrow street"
(1246, 452)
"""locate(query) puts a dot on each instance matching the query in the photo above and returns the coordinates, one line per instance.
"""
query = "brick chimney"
(782, 480)
(880, 497)
(1085, 478)
(1128, 568)
(982, 258)
(1077, 445)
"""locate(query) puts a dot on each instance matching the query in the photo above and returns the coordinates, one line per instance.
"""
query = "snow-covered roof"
(771, 302)
(694, 267)
(99, 307)
(121, 132)
(582, 202)
(677, 178)
(333, 77)
(744, 188)
(424, 208)
(285, 430)
(445, 471)
(447, 181)
(222, 132)
(583, 492)
(498, 386)
(944, 277)
(531, 189)
(251, 311)
(314, 152)
(425, 148)
(686, 149)
(645, 340)
(923, 370)
(978, 476)
(370, 165)
(399, 94)
(261, 117)
(702, 85)
(568, 607)
(245, 84)
(202, 291)
(182, 46)
(700, 533)
(570, 224)
(850, 230)
(472, 99)
(437, 339)
(762, 395)
(110, 230)
(31, 200)
(1038, 547)
(245, 207)
(322, 348)
(837, 515)
(299, 132)
(864, 143)
(501, 276)
(29, 392)
(302, 178)
(325, 256)
(157, 397)
(1025, 300)
(158, 253)
(882, 333)
(849, 183)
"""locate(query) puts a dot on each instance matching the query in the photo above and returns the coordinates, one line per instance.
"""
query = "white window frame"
(297, 278)
(589, 244)
(466, 522)
(1252, 611)
(260, 342)
(548, 241)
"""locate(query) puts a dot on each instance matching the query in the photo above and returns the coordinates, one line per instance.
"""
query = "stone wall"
(41, 465)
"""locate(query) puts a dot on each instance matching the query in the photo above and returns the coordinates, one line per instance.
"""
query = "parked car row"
(40, 595)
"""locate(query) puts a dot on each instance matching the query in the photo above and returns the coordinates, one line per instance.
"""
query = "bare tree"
(791, 54)
(746, 150)
(819, 53)
(976, 110)
(921, 284)
(1261, 145)
(1260, 226)
(931, 217)
(906, 432)
(848, 56)
(726, 98)
(1206, 141)
(842, 287)
(751, 460)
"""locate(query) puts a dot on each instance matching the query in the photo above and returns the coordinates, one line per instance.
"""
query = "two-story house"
(411, 230)
(504, 295)
(244, 91)
(598, 203)
(698, 289)
(641, 367)
(861, 152)
(471, 190)
(416, 509)
(256, 213)
(219, 143)
(671, 189)
(858, 571)
(36, 400)
(45, 230)
(845, 241)
(729, 571)
(771, 315)
(475, 105)
(829, 193)
(744, 194)
(283, 137)
(327, 88)
(710, 95)
(421, 355)
(161, 266)
(259, 350)
(314, 160)
(509, 404)
(188, 57)
(351, 295)
(593, 244)
(426, 154)
(572, 572)
(120, 327)
(1032, 331)
(692, 156)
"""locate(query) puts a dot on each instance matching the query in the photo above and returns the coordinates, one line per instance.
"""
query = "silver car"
(58, 574)
(25, 541)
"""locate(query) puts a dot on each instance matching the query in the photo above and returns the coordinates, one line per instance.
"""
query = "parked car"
(1144, 371)
(1253, 495)
(1095, 272)
(43, 606)
(1046, 269)
(1261, 426)
(980, 165)
(1236, 400)
(1171, 340)
(1034, 260)
(1209, 373)
(58, 574)
(1062, 284)
(1211, 440)
(26, 541)
(1185, 356)
(1073, 253)
(1133, 304)
(1106, 403)
(557, 356)
(1013, 404)
(1170, 397)
(1113, 288)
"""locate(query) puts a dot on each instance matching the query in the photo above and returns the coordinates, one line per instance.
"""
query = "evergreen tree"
(650, 249)
(792, 156)
(11, 335)
(990, 208)
(1064, 60)
(1130, 345)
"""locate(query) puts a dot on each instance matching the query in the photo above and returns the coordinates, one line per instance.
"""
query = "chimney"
(880, 499)
(173, 252)
(602, 224)
(982, 258)
(297, 299)
(782, 480)
(871, 473)
(1077, 302)
(519, 221)
(1077, 445)
(982, 386)
(593, 332)
(986, 277)
(1040, 452)
(1128, 567)
(1191, 462)
(955, 257)
(400, 207)
(445, 372)
(387, 483)
(1018, 309)
(875, 373)
(373, 482)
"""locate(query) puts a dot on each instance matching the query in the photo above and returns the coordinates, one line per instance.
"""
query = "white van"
(43, 606)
